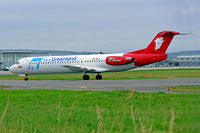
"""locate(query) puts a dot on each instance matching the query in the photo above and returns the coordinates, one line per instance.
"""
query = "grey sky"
(97, 25)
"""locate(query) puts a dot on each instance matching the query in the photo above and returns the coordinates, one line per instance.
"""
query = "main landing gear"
(87, 77)
(98, 77)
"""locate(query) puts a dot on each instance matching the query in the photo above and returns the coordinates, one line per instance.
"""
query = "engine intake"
(119, 60)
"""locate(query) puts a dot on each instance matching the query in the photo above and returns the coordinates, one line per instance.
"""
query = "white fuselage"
(68, 64)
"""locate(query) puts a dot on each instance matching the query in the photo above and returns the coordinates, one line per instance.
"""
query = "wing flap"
(85, 68)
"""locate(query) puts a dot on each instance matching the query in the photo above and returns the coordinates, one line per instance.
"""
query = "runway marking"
(83, 87)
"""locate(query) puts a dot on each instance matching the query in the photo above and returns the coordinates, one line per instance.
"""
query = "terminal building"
(179, 61)
(189, 61)
(9, 57)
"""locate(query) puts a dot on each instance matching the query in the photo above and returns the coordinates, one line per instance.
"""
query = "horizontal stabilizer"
(184, 33)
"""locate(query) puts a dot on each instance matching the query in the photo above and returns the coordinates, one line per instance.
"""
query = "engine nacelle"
(119, 60)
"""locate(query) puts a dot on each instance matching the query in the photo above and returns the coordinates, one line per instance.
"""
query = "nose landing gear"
(23, 76)
(26, 79)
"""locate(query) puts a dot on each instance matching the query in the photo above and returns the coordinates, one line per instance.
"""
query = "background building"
(179, 61)
(8, 58)
(192, 61)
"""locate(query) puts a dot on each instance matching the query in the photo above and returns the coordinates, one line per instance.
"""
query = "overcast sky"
(97, 25)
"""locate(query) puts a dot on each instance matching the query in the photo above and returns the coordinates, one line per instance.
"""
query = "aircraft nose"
(13, 68)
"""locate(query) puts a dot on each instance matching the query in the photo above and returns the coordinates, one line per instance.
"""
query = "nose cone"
(13, 69)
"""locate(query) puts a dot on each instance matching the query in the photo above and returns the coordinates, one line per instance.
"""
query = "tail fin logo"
(159, 42)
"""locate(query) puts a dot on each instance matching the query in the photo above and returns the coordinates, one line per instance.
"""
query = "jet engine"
(119, 60)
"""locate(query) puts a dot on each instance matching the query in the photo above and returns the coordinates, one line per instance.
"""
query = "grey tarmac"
(140, 85)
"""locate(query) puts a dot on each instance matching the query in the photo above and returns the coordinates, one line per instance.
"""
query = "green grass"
(133, 74)
(4, 86)
(90, 112)
(8, 77)
(184, 88)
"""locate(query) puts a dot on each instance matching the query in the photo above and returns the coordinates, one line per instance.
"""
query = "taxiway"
(141, 85)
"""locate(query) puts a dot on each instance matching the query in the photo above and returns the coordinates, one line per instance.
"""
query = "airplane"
(96, 63)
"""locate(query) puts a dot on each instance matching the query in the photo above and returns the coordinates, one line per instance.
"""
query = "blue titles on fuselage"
(54, 59)
(64, 59)
(36, 60)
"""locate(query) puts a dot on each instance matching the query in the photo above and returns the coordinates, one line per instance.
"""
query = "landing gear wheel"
(86, 77)
(25, 79)
(98, 77)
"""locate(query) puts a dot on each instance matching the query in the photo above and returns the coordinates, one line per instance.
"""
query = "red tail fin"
(159, 44)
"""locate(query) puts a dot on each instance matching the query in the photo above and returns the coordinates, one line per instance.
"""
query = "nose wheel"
(26, 79)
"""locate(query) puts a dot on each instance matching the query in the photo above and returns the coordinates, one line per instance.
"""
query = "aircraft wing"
(85, 68)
